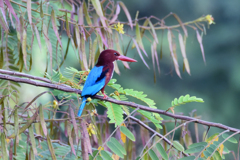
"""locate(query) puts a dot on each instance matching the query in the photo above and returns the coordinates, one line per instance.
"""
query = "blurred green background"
(217, 82)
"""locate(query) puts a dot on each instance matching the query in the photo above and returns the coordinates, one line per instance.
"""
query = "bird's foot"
(105, 96)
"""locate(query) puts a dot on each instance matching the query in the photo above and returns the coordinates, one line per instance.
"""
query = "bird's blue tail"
(84, 100)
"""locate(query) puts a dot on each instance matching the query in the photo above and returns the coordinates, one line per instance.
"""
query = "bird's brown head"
(108, 56)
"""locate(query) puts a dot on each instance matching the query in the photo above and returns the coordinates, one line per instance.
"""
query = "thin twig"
(165, 137)
(223, 142)
(152, 130)
(37, 136)
(214, 139)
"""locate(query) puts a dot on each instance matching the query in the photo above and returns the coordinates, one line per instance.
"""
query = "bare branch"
(24, 75)
(131, 104)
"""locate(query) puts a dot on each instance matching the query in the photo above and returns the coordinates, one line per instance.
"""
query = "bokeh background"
(217, 82)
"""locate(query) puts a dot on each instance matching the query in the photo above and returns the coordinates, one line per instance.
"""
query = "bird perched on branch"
(100, 75)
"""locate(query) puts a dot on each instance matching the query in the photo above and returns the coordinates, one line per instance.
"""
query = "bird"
(100, 75)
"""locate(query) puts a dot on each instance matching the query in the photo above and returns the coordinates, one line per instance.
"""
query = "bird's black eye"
(115, 54)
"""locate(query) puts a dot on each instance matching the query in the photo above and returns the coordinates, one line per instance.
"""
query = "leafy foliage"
(185, 99)
(63, 152)
(44, 131)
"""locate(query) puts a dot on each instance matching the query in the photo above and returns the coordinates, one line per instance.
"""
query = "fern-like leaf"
(115, 113)
(153, 117)
(149, 116)
(185, 99)
(9, 63)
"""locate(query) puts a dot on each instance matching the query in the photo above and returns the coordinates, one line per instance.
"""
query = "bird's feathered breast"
(108, 69)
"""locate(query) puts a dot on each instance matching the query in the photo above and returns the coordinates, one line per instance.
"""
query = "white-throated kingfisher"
(100, 75)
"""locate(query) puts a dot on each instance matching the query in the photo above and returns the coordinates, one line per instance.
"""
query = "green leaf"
(186, 99)
(194, 150)
(42, 121)
(99, 158)
(127, 132)
(162, 151)
(105, 155)
(93, 156)
(4, 146)
(187, 158)
(180, 100)
(216, 143)
(225, 150)
(212, 137)
(114, 149)
(118, 145)
(231, 139)
(178, 146)
(141, 96)
(210, 149)
(151, 118)
(115, 113)
(85, 11)
(197, 145)
(153, 155)
(16, 122)
(67, 26)
(50, 146)
(32, 138)
(175, 101)
(55, 28)
(217, 156)
(206, 154)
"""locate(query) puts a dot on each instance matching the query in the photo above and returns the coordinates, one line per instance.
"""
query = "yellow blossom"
(89, 99)
(100, 148)
(215, 138)
(119, 28)
(91, 129)
(116, 93)
(55, 104)
(94, 112)
(7, 140)
(210, 19)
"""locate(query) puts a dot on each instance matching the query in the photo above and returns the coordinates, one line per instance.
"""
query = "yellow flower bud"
(55, 104)
(210, 19)
(89, 99)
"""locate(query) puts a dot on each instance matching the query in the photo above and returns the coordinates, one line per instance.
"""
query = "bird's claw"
(105, 96)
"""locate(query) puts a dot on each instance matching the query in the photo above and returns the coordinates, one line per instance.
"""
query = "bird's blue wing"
(94, 82)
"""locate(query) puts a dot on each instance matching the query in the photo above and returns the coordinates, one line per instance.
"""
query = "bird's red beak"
(124, 58)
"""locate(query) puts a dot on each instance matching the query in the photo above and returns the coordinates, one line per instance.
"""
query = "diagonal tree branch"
(153, 131)
(24, 75)
(131, 104)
